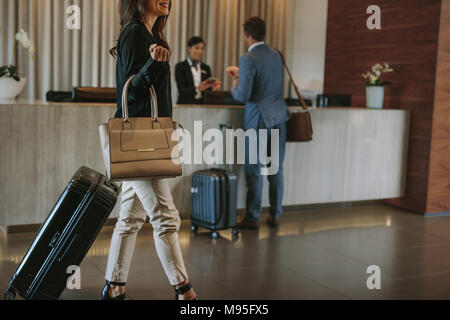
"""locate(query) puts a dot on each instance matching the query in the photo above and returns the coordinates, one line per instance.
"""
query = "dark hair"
(194, 41)
(136, 9)
(256, 27)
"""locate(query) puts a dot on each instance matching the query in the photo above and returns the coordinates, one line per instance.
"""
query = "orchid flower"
(376, 72)
(24, 40)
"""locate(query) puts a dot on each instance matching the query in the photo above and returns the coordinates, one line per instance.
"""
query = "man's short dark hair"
(194, 41)
(256, 27)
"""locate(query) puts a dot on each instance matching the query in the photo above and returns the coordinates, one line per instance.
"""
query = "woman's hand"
(217, 85)
(204, 85)
(159, 53)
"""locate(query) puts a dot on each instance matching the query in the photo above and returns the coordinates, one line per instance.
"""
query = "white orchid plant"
(10, 71)
(373, 77)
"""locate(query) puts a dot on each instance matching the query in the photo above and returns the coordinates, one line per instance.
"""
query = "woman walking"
(143, 51)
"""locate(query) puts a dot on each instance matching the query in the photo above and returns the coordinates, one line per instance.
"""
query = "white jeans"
(141, 198)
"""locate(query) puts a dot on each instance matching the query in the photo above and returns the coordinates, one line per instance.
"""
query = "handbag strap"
(293, 82)
(153, 99)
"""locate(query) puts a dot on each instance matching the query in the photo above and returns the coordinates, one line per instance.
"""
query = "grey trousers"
(139, 199)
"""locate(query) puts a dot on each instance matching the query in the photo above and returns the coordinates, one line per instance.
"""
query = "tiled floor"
(313, 255)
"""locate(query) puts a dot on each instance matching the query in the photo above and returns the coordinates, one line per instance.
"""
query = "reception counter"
(357, 154)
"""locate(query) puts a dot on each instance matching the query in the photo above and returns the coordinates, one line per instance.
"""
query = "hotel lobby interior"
(368, 197)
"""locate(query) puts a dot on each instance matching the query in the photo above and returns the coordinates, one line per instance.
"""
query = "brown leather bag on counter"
(140, 148)
(91, 94)
(299, 127)
(220, 98)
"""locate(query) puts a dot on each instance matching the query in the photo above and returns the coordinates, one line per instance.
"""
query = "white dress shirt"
(255, 45)
(197, 74)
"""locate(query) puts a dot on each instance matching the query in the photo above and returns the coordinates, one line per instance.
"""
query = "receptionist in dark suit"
(193, 76)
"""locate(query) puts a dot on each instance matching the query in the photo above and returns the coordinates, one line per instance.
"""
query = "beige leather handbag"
(137, 149)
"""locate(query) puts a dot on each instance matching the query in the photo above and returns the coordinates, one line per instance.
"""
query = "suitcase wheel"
(10, 294)
(235, 232)
(215, 235)
(194, 228)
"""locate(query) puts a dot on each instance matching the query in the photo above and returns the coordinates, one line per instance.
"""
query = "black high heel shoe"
(182, 290)
(105, 292)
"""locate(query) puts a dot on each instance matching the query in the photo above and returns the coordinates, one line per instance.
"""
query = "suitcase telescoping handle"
(224, 128)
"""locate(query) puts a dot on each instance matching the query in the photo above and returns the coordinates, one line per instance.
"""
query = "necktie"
(196, 64)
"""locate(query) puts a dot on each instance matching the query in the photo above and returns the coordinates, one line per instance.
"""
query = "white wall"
(308, 45)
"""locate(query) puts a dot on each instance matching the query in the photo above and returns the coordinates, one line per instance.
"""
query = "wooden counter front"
(357, 154)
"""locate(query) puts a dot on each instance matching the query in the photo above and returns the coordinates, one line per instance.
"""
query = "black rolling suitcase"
(214, 200)
(65, 237)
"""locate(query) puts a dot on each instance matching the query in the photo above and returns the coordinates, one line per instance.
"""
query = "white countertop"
(33, 102)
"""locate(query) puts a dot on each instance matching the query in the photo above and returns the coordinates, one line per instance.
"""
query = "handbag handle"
(153, 99)
(291, 78)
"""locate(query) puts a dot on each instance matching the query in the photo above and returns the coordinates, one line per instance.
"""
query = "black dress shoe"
(273, 223)
(249, 225)
(107, 297)
(182, 290)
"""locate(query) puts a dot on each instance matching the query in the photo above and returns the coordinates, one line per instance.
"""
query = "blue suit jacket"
(260, 88)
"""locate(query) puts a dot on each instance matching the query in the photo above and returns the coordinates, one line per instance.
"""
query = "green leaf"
(12, 71)
(16, 78)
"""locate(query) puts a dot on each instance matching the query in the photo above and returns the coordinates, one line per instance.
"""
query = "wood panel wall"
(438, 197)
(409, 41)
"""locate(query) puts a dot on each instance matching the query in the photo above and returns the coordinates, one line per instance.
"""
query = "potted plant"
(375, 86)
(11, 84)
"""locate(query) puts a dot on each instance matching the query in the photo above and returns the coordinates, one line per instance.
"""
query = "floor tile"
(317, 254)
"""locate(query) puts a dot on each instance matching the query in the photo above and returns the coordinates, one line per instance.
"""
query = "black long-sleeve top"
(133, 58)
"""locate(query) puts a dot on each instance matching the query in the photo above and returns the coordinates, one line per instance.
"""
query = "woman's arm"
(208, 72)
(137, 60)
(183, 89)
(208, 75)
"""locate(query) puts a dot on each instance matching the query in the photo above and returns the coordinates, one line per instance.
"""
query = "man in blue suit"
(258, 84)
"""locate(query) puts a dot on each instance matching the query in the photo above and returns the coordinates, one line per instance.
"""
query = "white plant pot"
(375, 97)
(10, 88)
